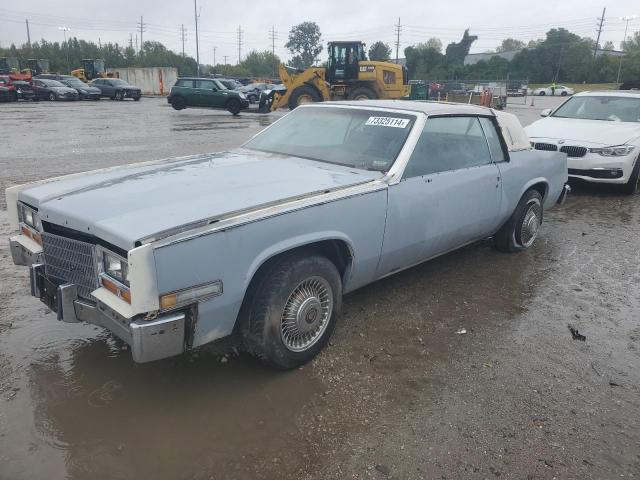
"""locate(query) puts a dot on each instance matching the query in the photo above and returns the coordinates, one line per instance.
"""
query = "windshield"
(52, 83)
(75, 82)
(609, 108)
(367, 139)
(220, 85)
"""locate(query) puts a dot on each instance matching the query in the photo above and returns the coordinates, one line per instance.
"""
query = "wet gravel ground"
(398, 393)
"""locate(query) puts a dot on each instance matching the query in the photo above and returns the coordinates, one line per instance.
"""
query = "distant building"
(474, 58)
(613, 53)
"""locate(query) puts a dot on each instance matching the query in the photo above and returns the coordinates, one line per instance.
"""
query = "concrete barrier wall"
(152, 81)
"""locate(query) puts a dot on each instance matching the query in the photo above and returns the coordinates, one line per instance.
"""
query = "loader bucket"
(267, 100)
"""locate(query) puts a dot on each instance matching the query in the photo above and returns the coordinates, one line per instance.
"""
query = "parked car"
(561, 90)
(116, 89)
(253, 90)
(630, 85)
(9, 92)
(206, 92)
(24, 90)
(53, 90)
(263, 241)
(85, 91)
(600, 133)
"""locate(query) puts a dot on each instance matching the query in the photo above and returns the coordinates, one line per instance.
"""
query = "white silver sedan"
(560, 90)
(599, 132)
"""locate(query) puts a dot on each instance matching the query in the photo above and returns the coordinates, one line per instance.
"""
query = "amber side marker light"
(116, 290)
(190, 295)
(35, 236)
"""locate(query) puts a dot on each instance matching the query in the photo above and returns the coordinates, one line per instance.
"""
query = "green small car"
(206, 92)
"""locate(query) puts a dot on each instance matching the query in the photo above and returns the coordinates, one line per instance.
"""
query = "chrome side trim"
(272, 211)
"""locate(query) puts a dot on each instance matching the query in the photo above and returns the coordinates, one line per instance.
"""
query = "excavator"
(91, 69)
(347, 76)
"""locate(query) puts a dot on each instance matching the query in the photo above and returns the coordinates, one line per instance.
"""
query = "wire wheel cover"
(531, 224)
(306, 314)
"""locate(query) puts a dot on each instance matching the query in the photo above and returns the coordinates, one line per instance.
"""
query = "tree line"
(561, 56)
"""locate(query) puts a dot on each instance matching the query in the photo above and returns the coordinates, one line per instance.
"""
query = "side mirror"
(546, 112)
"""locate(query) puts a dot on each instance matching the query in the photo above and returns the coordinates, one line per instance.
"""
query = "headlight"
(616, 151)
(116, 267)
(29, 216)
(242, 95)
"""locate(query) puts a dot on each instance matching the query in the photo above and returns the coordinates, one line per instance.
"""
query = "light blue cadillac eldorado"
(262, 242)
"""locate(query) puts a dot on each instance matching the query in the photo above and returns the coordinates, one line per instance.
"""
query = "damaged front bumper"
(162, 337)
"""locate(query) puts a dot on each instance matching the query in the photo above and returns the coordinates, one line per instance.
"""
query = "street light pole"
(626, 19)
(64, 32)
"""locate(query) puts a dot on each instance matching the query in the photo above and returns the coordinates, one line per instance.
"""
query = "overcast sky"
(367, 20)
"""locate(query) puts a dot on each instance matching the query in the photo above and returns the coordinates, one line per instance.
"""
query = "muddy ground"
(398, 393)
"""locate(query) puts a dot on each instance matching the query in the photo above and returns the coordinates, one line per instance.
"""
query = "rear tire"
(52, 97)
(119, 95)
(632, 186)
(137, 99)
(362, 93)
(563, 94)
(234, 106)
(304, 94)
(178, 103)
(522, 228)
(291, 316)
(542, 94)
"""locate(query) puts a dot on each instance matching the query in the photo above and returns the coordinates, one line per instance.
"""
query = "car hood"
(598, 132)
(127, 204)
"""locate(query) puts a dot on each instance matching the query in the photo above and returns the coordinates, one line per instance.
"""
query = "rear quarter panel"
(530, 167)
(234, 255)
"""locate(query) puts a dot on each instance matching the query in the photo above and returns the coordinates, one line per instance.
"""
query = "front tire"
(119, 95)
(293, 312)
(542, 94)
(521, 230)
(303, 94)
(563, 94)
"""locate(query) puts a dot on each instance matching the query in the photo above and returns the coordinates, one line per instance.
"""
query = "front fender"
(293, 243)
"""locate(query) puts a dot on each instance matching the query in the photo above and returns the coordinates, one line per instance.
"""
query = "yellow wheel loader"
(348, 76)
(91, 69)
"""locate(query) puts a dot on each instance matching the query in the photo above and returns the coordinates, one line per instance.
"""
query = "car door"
(449, 194)
(38, 88)
(208, 93)
(107, 88)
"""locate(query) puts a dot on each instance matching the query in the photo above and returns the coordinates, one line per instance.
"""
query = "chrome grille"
(573, 151)
(547, 147)
(70, 261)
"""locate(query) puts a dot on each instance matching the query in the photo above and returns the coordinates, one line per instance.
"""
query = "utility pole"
(225, 58)
(214, 56)
(239, 44)
(26, 20)
(131, 40)
(136, 42)
(273, 34)
(141, 25)
(183, 37)
(600, 25)
(195, 12)
(398, 30)
(623, 47)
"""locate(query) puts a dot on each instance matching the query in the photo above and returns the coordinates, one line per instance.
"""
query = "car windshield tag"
(388, 122)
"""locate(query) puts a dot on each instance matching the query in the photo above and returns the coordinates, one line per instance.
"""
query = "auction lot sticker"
(388, 122)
